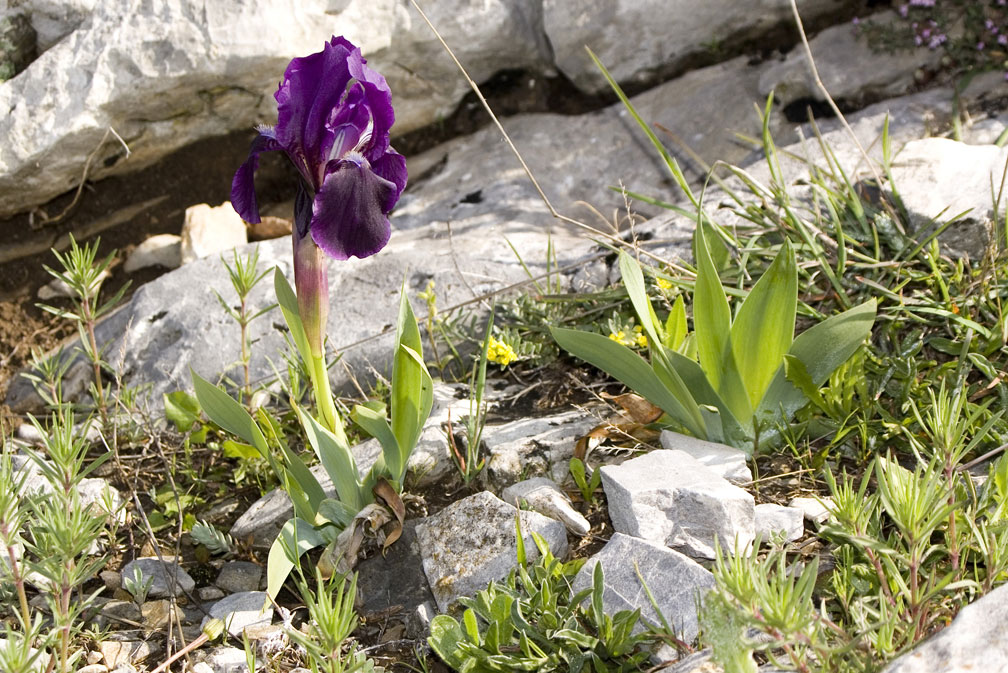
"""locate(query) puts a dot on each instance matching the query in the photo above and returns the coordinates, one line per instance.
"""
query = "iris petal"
(391, 167)
(243, 196)
(349, 216)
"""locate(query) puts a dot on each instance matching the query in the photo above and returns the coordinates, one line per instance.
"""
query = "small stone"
(418, 623)
(93, 668)
(269, 226)
(118, 614)
(210, 231)
(125, 652)
(208, 594)
(164, 250)
(242, 610)
(772, 519)
(163, 576)
(156, 614)
(225, 659)
(238, 576)
(676, 581)
(727, 461)
(111, 578)
(670, 498)
(93, 657)
(472, 542)
(813, 509)
(544, 496)
(202, 667)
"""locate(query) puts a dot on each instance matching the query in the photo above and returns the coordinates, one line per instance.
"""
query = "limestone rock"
(938, 179)
(533, 446)
(544, 496)
(639, 39)
(472, 542)
(165, 75)
(976, 640)
(393, 583)
(670, 498)
(774, 519)
(675, 580)
(166, 577)
(727, 461)
(241, 610)
(211, 230)
(813, 509)
(159, 250)
(238, 576)
(851, 70)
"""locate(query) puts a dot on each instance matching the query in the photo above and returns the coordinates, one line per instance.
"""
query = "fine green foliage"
(752, 375)
(587, 485)
(533, 621)
(244, 275)
(83, 273)
(318, 519)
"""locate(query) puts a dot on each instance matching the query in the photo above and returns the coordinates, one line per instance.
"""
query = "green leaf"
(227, 413)
(675, 325)
(764, 325)
(233, 449)
(630, 369)
(374, 423)
(337, 460)
(633, 281)
(711, 315)
(295, 538)
(412, 389)
(289, 306)
(182, 409)
(821, 349)
(796, 373)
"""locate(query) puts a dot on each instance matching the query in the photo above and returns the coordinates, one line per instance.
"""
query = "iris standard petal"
(243, 196)
(312, 86)
(349, 218)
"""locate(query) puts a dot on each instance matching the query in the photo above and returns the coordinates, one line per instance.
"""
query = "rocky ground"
(467, 196)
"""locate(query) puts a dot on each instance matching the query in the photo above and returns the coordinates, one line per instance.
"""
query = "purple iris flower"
(333, 119)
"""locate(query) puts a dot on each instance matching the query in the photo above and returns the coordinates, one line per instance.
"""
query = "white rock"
(241, 610)
(813, 509)
(638, 39)
(225, 659)
(159, 250)
(851, 70)
(727, 461)
(938, 178)
(210, 231)
(472, 542)
(774, 519)
(670, 498)
(166, 577)
(533, 445)
(164, 75)
(976, 640)
(676, 581)
(545, 497)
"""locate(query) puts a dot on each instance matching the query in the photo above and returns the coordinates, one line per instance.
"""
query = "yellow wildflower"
(640, 338)
(619, 337)
(500, 352)
(663, 285)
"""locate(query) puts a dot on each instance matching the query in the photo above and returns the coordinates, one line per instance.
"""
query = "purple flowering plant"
(972, 34)
(334, 114)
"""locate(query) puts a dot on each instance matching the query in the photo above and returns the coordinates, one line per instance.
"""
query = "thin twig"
(87, 167)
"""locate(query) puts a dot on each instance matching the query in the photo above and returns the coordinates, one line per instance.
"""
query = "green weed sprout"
(83, 273)
(319, 519)
(752, 374)
(244, 275)
(470, 464)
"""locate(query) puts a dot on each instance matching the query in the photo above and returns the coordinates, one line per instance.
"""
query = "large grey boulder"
(850, 69)
(939, 179)
(472, 542)
(166, 74)
(976, 640)
(639, 39)
(676, 581)
(670, 498)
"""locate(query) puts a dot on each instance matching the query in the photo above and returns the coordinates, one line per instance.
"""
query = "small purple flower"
(980, 46)
(1002, 39)
(333, 119)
